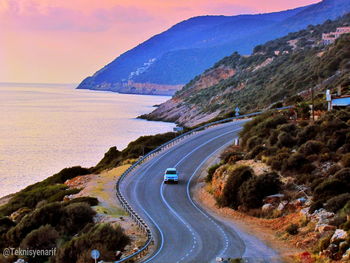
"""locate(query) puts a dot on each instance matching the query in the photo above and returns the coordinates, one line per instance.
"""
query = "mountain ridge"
(177, 55)
(114, 75)
(276, 72)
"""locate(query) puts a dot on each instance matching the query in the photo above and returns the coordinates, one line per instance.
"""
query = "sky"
(64, 41)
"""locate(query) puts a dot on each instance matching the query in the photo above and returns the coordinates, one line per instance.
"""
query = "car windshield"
(170, 172)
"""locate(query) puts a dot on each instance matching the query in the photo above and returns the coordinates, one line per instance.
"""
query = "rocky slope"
(277, 71)
(131, 87)
(294, 173)
(175, 56)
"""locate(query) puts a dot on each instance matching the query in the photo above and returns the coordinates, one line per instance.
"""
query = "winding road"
(183, 231)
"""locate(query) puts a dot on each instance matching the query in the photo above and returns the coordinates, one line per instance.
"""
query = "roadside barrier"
(136, 218)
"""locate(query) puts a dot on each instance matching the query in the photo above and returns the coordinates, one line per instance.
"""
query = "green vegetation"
(292, 229)
(231, 195)
(40, 209)
(211, 172)
(104, 237)
(312, 154)
(253, 191)
(135, 149)
(51, 189)
(267, 78)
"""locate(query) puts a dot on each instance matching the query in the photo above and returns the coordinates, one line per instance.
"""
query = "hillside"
(293, 175)
(169, 60)
(278, 71)
(60, 213)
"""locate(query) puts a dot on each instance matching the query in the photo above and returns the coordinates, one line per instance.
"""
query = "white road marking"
(179, 162)
(153, 221)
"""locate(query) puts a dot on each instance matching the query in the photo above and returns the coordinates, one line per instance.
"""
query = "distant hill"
(280, 71)
(165, 62)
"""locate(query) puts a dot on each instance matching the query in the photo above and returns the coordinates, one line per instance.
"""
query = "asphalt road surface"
(183, 231)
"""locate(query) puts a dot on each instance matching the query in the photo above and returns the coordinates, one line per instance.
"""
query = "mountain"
(164, 63)
(177, 55)
(280, 71)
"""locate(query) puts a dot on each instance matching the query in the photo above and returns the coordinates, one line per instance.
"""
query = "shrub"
(338, 202)
(307, 133)
(329, 127)
(346, 226)
(337, 139)
(297, 162)
(92, 201)
(343, 115)
(256, 188)
(312, 147)
(43, 238)
(344, 176)
(30, 198)
(333, 169)
(324, 242)
(289, 128)
(5, 224)
(232, 155)
(276, 162)
(303, 178)
(273, 138)
(59, 178)
(60, 195)
(111, 159)
(211, 172)
(292, 229)
(51, 188)
(68, 218)
(270, 151)
(48, 214)
(345, 160)
(315, 206)
(345, 210)
(76, 216)
(337, 221)
(145, 144)
(285, 140)
(256, 151)
(102, 237)
(236, 178)
(329, 188)
(344, 149)
(253, 142)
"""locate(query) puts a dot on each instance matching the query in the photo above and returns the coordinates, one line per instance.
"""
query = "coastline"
(67, 128)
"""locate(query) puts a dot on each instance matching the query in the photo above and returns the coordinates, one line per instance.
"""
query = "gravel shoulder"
(251, 229)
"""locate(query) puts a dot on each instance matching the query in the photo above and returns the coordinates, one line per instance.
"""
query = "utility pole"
(313, 103)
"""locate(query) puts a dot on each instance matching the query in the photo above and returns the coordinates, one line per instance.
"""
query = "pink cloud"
(30, 15)
(66, 40)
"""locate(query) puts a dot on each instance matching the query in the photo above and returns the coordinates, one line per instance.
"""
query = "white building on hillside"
(329, 38)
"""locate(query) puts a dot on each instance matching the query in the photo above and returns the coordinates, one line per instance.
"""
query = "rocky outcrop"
(179, 111)
(131, 87)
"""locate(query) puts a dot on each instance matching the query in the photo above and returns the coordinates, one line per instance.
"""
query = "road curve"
(183, 231)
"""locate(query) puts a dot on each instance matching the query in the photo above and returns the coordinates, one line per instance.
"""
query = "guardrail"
(137, 219)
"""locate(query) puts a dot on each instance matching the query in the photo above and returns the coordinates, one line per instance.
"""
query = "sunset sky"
(56, 41)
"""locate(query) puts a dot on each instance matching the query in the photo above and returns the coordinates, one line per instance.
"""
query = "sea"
(45, 128)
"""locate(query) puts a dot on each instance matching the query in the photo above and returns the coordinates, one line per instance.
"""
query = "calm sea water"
(44, 128)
